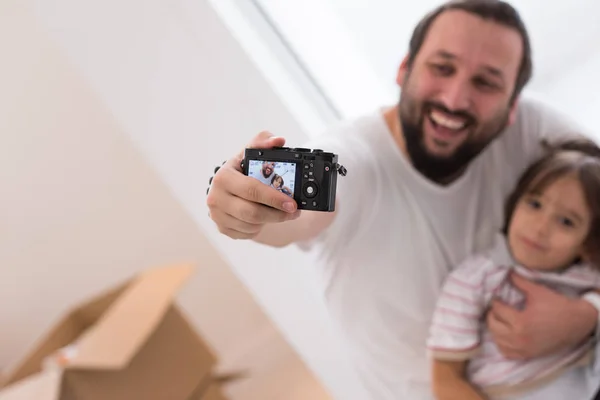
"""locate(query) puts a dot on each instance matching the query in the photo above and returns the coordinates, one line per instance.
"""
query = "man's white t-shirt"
(396, 236)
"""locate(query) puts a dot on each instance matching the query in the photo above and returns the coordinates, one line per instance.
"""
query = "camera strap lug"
(341, 169)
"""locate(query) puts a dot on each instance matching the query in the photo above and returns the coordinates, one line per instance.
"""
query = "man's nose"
(456, 94)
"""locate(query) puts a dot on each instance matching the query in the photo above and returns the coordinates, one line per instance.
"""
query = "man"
(265, 172)
(426, 184)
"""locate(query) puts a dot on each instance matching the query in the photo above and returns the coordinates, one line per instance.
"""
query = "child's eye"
(534, 203)
(566, 222)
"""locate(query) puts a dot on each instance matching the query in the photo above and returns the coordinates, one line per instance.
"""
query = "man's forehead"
(476, 41)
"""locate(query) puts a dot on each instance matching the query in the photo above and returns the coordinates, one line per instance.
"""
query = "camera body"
(308, 176)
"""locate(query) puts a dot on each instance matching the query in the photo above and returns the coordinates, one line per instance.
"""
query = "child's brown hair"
(579, 157)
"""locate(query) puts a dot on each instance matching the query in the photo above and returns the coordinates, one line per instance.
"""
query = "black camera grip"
(217, 168)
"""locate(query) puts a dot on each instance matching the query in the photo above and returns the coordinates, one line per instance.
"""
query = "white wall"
(82, 210)
(578, 93)
(322, 36)
(188, 96)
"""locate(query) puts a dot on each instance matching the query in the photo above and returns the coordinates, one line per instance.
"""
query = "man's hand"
(241, 205)
(549, 322)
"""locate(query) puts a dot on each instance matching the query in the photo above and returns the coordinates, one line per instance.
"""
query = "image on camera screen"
(279, 175)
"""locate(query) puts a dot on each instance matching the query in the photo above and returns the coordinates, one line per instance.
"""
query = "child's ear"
(585, 256)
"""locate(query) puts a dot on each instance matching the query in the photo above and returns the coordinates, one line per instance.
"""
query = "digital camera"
(308, 176)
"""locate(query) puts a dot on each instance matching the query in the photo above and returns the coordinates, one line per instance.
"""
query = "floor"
(277, 374)
(273, 370)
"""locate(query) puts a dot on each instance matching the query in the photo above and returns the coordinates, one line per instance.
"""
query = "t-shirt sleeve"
(538, 122)
(457, 320)
(522, 142)
(352, 190)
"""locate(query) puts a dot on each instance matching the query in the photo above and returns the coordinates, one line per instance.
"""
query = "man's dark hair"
(494, 10)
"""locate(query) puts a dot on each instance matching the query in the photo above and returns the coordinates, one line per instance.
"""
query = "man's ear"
(512, 115)
(402, 71)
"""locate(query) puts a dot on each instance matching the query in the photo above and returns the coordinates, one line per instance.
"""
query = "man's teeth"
(446, 122)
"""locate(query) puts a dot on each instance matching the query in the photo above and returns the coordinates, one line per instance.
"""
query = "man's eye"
(485, 84)
(443, 69)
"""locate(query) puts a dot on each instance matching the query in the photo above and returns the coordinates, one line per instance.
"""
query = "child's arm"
(455, 332)
(450, 383)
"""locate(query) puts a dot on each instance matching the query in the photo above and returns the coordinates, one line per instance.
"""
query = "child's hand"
(548, 322)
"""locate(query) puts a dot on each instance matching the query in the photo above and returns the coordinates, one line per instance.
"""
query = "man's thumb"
(266, 140)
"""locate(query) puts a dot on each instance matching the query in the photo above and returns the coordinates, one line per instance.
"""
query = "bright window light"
(320, 39)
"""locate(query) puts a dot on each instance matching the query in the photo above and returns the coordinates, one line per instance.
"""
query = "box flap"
(41, 386)
(116, 337)
(225, 378)
(64, 332)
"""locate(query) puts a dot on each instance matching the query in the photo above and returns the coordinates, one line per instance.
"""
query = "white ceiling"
(563, 34)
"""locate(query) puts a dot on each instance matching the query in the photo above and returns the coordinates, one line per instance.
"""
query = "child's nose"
(543, 225)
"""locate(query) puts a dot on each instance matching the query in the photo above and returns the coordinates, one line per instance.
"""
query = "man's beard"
(441, 169)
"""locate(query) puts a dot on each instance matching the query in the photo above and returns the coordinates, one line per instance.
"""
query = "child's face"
(547, 231)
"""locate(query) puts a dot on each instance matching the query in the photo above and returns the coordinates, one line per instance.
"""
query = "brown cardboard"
(210, 390)
(131, 342)
(213, 393)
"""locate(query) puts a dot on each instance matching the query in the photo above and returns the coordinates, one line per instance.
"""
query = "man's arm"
(308, 226)
(244, 208)
(540, 123)
(450, 383)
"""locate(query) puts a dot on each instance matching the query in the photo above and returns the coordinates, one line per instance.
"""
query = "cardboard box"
(130, 343)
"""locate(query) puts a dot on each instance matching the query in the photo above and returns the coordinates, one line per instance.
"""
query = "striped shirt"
(459, 332)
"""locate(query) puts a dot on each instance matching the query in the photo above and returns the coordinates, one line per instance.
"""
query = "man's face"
(456, 96)
(267, 169)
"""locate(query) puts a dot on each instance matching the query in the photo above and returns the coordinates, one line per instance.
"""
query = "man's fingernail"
(288, 206)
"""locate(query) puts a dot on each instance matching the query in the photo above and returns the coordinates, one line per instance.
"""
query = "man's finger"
(233, 223)
(264, 140)
(235, 234)
(502, 334)
(504, 313)
(496, 325)
(499, 329)
(253, 190)
(524, 285)
(256, 213)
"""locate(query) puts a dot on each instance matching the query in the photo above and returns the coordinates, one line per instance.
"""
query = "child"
(277, 183)
(551, 236)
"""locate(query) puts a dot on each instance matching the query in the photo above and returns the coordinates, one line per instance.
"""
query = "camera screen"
(280, 175)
